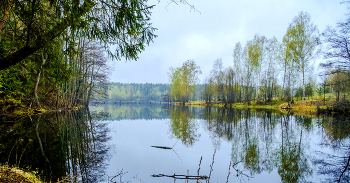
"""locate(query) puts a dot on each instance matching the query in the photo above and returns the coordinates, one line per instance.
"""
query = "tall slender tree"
(302, 40)
(237, 62)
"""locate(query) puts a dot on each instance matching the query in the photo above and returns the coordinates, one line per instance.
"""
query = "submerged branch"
(182, 176)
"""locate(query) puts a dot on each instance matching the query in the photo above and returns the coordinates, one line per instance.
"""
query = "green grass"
(309, 106)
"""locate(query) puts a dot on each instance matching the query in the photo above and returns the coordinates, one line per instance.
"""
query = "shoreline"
(308, 107)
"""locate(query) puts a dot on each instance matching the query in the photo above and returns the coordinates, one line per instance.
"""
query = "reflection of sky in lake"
(132, 141)
(135, 154)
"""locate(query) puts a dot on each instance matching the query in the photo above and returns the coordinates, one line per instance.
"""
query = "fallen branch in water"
(162, 147)
(182, 176)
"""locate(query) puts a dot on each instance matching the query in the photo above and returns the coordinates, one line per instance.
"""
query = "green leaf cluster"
(183, 80)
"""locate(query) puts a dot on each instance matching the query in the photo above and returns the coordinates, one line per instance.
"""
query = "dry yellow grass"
(8, 174)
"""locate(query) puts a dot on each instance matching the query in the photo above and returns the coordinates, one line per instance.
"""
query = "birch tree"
(302, 41)
(217, 75)
(237, 62)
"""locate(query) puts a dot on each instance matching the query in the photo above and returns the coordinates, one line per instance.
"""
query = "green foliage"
(299, 93)
(301, 41)
(319, 91)
(184, 80)
(122, 23)
(17, 82)
(54, 52)
(252, 157)
(309, 91)
(255, 52)
(176, 87)
(183, 125)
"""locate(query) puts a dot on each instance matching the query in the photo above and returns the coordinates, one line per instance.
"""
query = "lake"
(166, 143)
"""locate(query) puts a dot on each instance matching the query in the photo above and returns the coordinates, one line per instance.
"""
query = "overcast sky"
(212, 33)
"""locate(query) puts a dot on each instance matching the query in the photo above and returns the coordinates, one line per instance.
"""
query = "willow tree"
(302, 40)
(183, 80)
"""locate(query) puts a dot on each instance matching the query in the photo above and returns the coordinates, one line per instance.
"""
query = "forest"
(266, 70)
(146, 92)
(53, 57)
(54, 54)
(138, 92)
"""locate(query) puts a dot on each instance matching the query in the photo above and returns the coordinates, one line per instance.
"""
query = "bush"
(342, 106)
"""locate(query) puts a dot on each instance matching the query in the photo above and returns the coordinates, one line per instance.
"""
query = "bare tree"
(337, 50)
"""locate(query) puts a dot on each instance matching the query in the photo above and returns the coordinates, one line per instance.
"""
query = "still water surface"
(113, 143)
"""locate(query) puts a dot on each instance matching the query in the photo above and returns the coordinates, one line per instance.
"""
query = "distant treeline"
(137, 91)
(141, 92)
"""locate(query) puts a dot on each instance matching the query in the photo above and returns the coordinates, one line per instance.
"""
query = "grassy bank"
(299, 106)
(12, 174)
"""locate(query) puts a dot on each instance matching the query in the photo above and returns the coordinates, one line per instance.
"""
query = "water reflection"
(69, 144)
(183, 124)
(119, 112)
(262, 145)
(335, 136)
(293, 165)
(264, 141)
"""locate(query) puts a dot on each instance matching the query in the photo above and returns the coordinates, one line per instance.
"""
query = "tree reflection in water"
(255, 143)
(293, 163)
(265, 140)
(183, 124)
(74, 143)
(336, 166)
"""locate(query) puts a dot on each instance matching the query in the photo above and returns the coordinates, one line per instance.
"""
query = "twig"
(200, 162)
(240, 172)
(211, 166)
(229, 168)
(175, 143)
(177, 155)
(345, 168)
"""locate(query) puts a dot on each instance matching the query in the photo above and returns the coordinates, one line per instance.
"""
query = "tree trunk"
(90, 85)
(303, 84)
(38, 80)
(324, 94)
